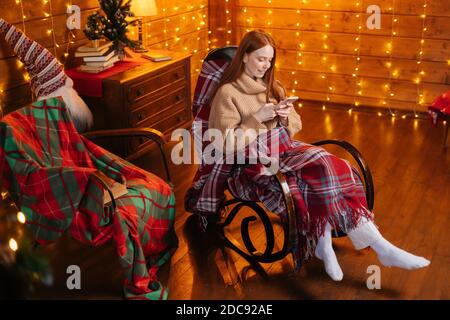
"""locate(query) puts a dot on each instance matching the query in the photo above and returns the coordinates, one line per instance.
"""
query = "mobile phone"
(290, 99)
(283, 104)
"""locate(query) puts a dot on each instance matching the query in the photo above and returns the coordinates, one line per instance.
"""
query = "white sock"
(392, 256)
(324, 251)
(367, 234)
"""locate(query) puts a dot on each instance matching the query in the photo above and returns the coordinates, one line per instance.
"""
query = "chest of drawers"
(155, 94)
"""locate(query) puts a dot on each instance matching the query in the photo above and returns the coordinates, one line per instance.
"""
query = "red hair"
(253, 41)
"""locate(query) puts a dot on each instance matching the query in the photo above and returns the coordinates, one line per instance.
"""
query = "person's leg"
(366, 234)
(324, 251)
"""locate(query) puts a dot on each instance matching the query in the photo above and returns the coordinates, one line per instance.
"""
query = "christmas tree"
(115, 23)
(94, 27)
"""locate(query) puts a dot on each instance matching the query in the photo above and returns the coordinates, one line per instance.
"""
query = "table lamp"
(142, 8)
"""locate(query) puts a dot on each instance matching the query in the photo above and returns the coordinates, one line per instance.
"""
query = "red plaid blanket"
(324, 187)
(440, 108)
(47, 168)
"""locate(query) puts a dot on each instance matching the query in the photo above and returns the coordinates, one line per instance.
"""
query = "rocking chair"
(213, 67)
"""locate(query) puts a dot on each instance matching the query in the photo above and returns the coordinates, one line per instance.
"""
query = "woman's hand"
(284, 110)
(266, 113)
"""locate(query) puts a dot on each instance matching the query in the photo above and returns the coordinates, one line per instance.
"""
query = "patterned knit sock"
(324, 251)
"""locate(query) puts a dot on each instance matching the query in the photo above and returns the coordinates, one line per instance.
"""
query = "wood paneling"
(293, 23)
(434, 8)
(182, 22)
(199, 25)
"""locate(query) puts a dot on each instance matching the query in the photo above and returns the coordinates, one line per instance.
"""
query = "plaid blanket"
(324, 187)
(439, 110)
(47, 168)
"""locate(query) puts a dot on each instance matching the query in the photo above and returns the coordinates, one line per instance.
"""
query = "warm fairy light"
(421, 73)
(327, 17)
(357, 50)
(13, 244)
(299, 57)
(21, 217)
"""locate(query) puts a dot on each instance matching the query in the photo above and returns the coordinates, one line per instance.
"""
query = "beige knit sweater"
(235, 103)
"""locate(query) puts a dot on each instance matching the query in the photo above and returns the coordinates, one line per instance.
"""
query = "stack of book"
(96, 58)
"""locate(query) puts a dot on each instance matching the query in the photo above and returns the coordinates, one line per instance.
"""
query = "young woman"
(329, 193)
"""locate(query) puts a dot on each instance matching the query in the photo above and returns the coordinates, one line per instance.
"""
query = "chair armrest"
(149, 133)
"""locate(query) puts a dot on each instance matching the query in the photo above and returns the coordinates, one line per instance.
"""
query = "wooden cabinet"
(155, 94)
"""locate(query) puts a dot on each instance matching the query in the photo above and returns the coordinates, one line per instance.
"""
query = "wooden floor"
(411, 173)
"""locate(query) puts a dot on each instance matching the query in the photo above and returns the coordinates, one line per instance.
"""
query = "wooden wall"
(325, 68)
(179, 25)
(313, 71)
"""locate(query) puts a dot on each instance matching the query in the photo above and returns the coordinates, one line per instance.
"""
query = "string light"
(227, 23)
(26, 77)
(21, 217)
(358, 82)
(2, 103)
(389, 46)
(299, 55)
(329, 88)
(248, 21)
(13, 244)
(420, 72)
(166, 42)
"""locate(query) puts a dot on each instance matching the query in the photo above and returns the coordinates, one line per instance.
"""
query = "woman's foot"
(392, 256)
(324, 251)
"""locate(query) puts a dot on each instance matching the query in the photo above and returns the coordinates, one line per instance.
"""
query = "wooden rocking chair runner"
(209, 78)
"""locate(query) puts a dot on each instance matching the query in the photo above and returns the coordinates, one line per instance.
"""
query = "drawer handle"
(138, 92)
(178, 75)
(180, 118)
(139, 116)
(179, 97)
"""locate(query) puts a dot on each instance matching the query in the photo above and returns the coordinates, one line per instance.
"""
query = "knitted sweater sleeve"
(225, 116)
(294, 122)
